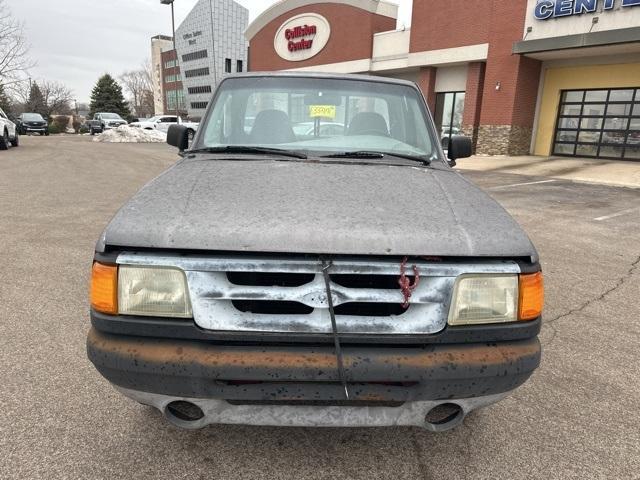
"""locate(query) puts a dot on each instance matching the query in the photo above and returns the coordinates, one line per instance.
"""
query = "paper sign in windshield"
(323, 111)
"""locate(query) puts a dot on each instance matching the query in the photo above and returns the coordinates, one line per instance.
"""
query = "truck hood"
(310, 207)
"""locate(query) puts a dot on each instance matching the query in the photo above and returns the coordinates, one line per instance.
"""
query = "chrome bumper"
(221, 412)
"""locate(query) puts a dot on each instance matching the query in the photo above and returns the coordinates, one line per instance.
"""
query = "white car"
(163, 122)
(8, 132)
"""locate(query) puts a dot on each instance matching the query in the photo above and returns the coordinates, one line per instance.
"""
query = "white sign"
(302, 37)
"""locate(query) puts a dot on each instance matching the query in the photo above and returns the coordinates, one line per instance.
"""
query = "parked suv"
(32, 123)
(8, 132)
(105, 121)
(272, 278)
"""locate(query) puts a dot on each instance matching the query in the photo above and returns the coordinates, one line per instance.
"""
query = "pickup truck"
(163, 122)
(8, 132)
(105, 121)
(270, 278)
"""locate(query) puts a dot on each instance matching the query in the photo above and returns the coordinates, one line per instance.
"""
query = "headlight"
(152, 291)
(479, 299)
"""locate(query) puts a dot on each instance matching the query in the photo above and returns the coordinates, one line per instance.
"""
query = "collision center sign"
(302, 37)
(546, 9)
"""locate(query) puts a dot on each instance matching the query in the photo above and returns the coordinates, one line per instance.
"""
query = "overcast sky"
(75, 41)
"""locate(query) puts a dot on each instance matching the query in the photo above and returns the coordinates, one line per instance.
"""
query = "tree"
(35, 102)
(14, 50)
(139, 86)
(107, 96)
(6, 104)
(57, 98)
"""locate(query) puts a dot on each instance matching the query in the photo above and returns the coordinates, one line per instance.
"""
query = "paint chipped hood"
(306, 207)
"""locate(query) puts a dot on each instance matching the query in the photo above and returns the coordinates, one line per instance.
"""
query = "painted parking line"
(522, 184)
(618, 214)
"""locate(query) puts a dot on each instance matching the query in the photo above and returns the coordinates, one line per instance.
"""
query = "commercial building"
(519, 76)
(210, 44)
(159, 44)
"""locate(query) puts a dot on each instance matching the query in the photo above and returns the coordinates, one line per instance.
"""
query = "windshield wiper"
(374, 154)
(244, 149)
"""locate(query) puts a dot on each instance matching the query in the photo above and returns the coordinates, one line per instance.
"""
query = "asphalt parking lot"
(576, 418)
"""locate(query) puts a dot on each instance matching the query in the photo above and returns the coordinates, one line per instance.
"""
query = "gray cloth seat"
(368, 123)
(272, 127)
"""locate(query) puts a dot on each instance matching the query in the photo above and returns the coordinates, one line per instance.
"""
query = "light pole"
(173, 28)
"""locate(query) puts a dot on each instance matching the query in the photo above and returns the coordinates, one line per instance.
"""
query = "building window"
(199, 105)
(170, 64)
(198, 72)
(239, 66)
(172, 78)
(601, 123)
(195, 56)
(448, 115)
(174, 96)
(201, 89)
(227, 65)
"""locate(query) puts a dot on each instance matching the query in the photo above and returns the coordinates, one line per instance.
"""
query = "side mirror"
(459, 147)
(178, 136)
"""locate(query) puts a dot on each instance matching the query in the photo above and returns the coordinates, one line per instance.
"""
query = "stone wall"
(503, 140)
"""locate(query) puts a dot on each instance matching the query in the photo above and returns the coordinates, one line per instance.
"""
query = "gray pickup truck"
(344, 277)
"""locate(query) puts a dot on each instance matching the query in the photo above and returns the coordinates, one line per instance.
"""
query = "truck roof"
(322, 75)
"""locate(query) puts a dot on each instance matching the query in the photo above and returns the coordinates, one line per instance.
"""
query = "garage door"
(599, 124)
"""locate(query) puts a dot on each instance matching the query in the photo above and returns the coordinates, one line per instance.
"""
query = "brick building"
(517, 76)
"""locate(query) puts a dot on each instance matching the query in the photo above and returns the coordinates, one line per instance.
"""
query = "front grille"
(288, 295)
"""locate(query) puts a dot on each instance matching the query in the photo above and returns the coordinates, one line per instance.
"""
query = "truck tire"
(4, 140)
(16, 140)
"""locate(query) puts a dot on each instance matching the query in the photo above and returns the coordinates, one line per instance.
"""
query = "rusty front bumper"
(240, 374)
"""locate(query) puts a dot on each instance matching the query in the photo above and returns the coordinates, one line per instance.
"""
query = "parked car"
(32, 123)
(163, 122)
(8, 132)
(105, 121)
(351, 280)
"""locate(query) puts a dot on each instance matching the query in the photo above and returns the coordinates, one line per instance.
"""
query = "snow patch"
(127, 134)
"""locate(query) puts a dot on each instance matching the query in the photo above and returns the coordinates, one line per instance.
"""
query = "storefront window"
(599, 123)
(449, 115)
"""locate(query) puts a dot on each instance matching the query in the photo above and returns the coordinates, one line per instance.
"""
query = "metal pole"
(173, 27)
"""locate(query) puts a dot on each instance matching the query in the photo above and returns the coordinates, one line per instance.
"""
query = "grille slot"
(264, 307)
(267, 279)
(383, 282)
(371, 309)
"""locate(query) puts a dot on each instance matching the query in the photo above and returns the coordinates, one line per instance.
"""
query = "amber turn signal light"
(531, 301)
(104, 288)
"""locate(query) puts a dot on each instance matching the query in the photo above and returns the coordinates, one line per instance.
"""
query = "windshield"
(111, 116)
(319, 116)
(32, 117)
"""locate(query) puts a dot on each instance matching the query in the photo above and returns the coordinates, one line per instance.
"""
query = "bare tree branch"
(138, 85)
(14, 50)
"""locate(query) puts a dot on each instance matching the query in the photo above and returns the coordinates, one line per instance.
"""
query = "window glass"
(616, 123)
(589, 137)
(591, 123)
(319, 115)
(571, 110)
(567, 136)
(635, 124)
(564, 149)
(615, 152)
(632, 153)
(636, 109)
(573, 96)
(594, 110)
(596, 96)
(622, 109)
(614, 137)
(569, 122)
(621, 96)
(587, 150)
